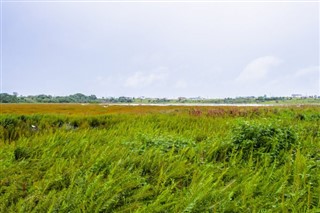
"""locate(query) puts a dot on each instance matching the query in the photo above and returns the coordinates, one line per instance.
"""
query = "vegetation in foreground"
(163, 160)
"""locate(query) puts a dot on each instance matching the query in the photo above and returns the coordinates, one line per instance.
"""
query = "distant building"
(296, 95)
(182, 98)
(197, 98)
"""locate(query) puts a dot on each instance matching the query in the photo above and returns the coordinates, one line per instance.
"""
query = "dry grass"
(83, 109)
(97, 109)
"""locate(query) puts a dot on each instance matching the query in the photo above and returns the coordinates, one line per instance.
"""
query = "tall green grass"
(192, 162)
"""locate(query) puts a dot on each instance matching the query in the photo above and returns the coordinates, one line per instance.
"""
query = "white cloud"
(307, 80)
(122, 43)
(313, 70)
(180, 84)
(258, 68)
(141, 79)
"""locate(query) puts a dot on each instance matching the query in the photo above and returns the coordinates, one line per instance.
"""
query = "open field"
(103, 109)
(95, 158)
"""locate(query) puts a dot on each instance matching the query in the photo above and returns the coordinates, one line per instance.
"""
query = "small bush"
(257, 138)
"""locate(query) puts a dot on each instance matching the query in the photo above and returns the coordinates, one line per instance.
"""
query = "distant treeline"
(81, 98)
(76, 98)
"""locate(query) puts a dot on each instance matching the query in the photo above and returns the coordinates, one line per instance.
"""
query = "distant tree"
(123, 99)
(6, 98)
(92, 97)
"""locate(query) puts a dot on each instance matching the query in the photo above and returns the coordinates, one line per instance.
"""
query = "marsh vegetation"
(74, 158)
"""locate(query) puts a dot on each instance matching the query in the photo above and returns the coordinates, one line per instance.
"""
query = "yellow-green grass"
(159, 159)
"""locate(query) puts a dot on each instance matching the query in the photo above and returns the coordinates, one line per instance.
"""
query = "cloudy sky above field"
(161, 49)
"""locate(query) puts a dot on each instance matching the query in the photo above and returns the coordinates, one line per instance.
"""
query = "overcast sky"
(161, 49)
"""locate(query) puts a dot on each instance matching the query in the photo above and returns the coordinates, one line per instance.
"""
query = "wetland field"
(143, 158)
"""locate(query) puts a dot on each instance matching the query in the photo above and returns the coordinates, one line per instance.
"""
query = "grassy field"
(94, 158)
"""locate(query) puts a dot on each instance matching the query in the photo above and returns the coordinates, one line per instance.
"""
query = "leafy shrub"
(258, 138)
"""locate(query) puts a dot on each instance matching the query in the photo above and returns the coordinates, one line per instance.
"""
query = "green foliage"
(164, 143)
(254, 138)
(7, 98)
(161, 163)
(21, 153)
(81, 98)
(76, 98)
